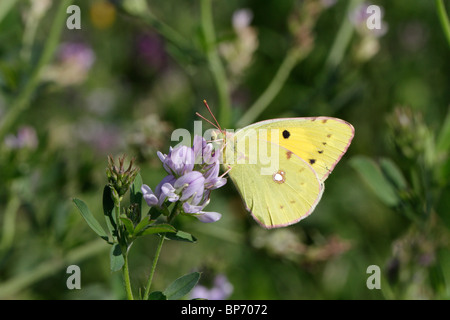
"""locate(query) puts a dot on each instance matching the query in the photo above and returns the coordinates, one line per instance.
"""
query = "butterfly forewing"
(320, 141)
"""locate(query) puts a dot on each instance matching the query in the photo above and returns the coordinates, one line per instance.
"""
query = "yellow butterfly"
(279, 166)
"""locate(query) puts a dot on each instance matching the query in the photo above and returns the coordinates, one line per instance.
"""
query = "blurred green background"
(136, 70)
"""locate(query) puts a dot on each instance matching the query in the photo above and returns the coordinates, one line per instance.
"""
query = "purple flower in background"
(359, 16)
(221, 290)
(150, 48)
(26, 139)
(77, 53)
(192, 174)
(74, 61)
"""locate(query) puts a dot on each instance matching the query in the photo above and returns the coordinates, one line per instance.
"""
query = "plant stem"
(9, 225)
(172, 215)
(11, 287)
(343, 37)
(289, 62)
(126, 277)
(443, 17)
(5, 6)
(124, 248)
(217, 69)
(152, 271)
(22, 101)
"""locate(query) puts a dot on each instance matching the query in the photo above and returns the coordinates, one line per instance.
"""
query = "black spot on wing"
(312, 161)
(286, 134)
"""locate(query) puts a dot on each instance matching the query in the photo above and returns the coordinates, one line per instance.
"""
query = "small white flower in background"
(74, 60)
(37, 9)
(328, 3)
(369, 43)
(239, 52)
(241, 19)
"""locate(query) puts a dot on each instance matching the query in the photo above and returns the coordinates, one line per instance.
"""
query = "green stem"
(9, 225)
(217, 68)
(5, 6)
(124, 248)
(22, 102)
(336, 53)
(343, 37)
(443, 17)
(126, 277)
(10, 288)
(152, 271)
(290, 61)
(172, 215)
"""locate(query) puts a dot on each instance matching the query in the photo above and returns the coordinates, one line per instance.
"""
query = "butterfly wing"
(308, 149)
(321, 141)
(289, 193)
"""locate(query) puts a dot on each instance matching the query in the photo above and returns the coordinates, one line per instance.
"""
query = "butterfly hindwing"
(286, 194)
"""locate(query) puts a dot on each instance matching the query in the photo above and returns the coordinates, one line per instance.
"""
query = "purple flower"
(192, 174)
(150, 49)
(192, 184)
(26, 139)
(212, 179)
(77, 53)
(163, 191)
(179, 160)
(359, 16)
(221, 289)
(205, 153)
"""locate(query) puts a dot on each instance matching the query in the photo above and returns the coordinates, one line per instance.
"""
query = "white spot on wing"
(279, 176)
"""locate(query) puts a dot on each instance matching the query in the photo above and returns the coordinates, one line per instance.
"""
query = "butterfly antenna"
(207, 107)
(198, 114)
(228, 170)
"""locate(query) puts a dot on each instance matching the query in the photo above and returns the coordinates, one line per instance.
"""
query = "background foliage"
(136, 70)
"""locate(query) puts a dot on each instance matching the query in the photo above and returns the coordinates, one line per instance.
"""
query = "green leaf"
(182, 286)
(128, 225)
(158, 228)
(374, 178)
(443, 141)
(116, 258)
(181, 236)
(108, 211)
(437, 279)
(91, 221)
(143, 224)
(157, 295)
(136, 193)
(393, 173)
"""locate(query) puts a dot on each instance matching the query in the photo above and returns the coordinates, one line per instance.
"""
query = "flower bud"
(120, 179)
